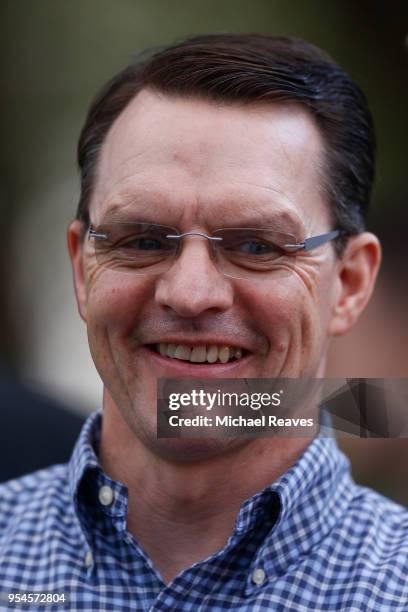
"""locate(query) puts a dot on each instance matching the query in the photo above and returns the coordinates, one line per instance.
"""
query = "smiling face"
(199, 166)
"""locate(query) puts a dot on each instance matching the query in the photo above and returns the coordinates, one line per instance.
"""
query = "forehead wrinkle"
(152, 206)
(208, 211)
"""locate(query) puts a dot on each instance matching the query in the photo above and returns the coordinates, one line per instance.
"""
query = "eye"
(256, 247)
(145, 243)
(154, 240)
(240, 243)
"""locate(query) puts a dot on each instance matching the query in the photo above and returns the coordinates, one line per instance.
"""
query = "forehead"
(187, 160)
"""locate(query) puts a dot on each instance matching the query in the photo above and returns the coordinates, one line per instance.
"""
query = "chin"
(193, 450)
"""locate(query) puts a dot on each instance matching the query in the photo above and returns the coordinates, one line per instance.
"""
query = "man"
(219, 131)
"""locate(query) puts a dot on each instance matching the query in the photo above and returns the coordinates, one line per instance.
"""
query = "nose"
(193, 284)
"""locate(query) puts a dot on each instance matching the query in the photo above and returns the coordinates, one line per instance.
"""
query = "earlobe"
(75, 239)
(357, 272)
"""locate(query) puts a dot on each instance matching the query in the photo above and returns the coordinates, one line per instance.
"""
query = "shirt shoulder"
(367, 551)
(25, 499)
(380, 509)
(385, 520)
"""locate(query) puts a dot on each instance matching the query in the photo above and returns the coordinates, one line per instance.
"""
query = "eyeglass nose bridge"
(212, 239)
(177, 236)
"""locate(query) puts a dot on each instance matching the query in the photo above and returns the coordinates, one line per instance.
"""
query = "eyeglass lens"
(144, 248)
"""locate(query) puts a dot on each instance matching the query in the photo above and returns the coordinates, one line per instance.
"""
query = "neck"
(171, 505)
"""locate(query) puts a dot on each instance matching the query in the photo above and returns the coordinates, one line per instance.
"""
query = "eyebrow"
(283, 219)
(116, 214)
(266, 215)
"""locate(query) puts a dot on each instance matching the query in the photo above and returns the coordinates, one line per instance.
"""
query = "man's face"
(199, 166)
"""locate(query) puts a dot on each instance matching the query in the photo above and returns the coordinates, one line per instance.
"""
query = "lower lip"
(176, 367)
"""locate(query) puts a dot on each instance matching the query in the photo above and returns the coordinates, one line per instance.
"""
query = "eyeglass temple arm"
(94, 234)
(314, 241)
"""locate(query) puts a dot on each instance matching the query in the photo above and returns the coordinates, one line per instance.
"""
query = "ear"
(76, 236)
(357, 272)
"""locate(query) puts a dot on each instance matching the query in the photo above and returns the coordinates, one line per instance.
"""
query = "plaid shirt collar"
(302, 505)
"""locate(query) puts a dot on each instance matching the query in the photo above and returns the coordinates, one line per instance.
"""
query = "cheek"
(114, 309)
(275, 305)
(291, 311)
(114, 306)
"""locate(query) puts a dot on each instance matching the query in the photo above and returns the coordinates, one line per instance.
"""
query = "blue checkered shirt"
(311, 541)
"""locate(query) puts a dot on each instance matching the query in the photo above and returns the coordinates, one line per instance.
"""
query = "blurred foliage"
(380, 464)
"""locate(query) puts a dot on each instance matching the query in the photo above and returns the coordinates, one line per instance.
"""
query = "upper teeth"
(200, 354)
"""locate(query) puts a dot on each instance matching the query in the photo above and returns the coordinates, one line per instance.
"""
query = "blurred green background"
(56, 55)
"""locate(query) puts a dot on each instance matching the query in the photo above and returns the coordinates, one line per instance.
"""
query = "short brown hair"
(246, 68)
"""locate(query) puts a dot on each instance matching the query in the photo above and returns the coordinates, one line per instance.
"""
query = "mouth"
(199, 354)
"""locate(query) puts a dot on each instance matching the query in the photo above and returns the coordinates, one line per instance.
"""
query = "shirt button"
(88, 559)
(105, 495)
(258, 576)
